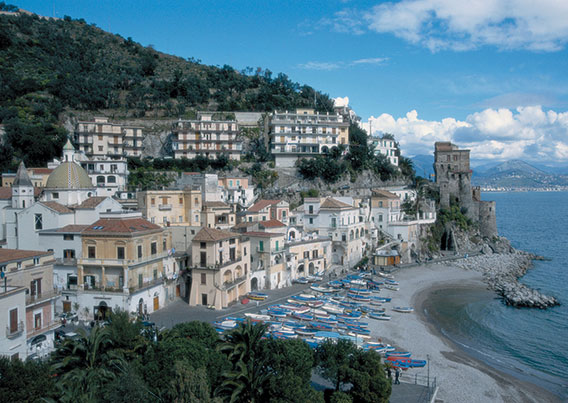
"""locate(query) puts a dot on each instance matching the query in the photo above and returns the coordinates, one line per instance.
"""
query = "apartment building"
(103, 138)
(207, 136)
(109, 175)
(33, 270)
(38, 177)
(171, 207)
(217, 214)
(12, 318)
(220, 268)
(268, 260)
(264, 210)
(305, 133)
(308, 255)
(340, 220)
(126, 262)
(385, 146)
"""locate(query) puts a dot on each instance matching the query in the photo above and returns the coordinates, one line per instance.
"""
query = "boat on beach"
(403, 309)
(399, 354)
(255, 317)
(257, 296)
(391, 287)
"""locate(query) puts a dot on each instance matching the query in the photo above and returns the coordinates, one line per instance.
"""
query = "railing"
(164, 207)
(148, 284)
(44, 296)
(121, 262)
(230, 284)
(13, 333)
(54, 324)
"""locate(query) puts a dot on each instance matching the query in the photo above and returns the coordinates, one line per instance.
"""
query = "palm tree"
(246, 381)
(84, 364)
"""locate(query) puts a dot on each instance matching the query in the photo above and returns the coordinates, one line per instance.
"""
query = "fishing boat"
(391, 287)
(380, 316)
(403, 309)
(321, 326)
(361, 298)
(324, 335)
(357, 335)
(255, 317)
(306, 332)
(324, 290)
(335, 284)
(303, 316)
(332, 308)
(225, 324)
(300, 280)
(381, 299)
(360, 291)
(406, 362)
(295, 308)
(278, 314)
(385, 275)
(391, 282)
(312, 343)
(257, 296)
(399, 354)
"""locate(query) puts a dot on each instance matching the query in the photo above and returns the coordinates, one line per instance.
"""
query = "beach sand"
(460, 377)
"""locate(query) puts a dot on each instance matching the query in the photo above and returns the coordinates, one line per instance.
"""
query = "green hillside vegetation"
(52, 67)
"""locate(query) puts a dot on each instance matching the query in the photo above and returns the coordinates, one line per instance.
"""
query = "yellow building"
(171, 207)
(268, 260)
(125, 262)
(308, 256)
(217, 214)
(102, 138)
(220, 268)
(38, 176)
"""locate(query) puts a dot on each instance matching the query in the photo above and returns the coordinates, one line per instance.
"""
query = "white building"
(13, 319)
(385, 146)
(105, 139)
(305, 133)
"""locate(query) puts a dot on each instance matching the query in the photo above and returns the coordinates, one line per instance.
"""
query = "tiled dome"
(69, 175)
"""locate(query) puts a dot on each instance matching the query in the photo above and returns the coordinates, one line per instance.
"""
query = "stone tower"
(453, 177)
(22, 189)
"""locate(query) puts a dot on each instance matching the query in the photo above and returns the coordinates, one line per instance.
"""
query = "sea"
(529, 344)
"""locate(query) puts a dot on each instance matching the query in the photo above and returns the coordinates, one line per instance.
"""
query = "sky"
(488, 75)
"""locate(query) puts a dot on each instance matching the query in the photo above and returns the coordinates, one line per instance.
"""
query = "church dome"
(69, 175)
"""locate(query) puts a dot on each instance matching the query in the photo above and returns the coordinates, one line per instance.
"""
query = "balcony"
(52, 325)
(145, 286)
(13, 333)
(44, 296)
(227, 285)
(121, 262)
(163, 207)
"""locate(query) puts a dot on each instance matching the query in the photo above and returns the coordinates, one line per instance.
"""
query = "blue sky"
(489, 75)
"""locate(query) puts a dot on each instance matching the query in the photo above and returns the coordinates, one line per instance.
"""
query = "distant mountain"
(517, 174)
(423, 165)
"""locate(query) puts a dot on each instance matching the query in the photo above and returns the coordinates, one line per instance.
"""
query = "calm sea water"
(527, 343)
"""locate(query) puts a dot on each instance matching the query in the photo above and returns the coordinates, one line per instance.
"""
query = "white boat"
(257, 317)
(324, 290)
(385, 275)
(391, 287)
(403, 309)
(332, 308)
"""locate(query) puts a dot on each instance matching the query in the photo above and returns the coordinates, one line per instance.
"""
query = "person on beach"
(396, 376)
(389, 372)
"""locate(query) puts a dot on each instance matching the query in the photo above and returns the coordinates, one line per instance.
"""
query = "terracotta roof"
(333, 204)
(246, 224)
(262, 234)
(72, 228)
(214, 204)
(60, 208)
(126, 226)
(91, 202)
(261, 204)
(8, 255)
(272, 224)
(384, 193)
(191, 173)
(5, 193)
(212, 235)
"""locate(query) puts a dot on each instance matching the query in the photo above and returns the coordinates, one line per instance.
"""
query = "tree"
(28, 381)
(367, 375)
(359, 152)
(334, 359)
(125, 334)
(406, 167)
(248, 379)
(85, 364)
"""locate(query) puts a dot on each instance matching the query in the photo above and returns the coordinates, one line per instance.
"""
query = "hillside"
(516, 174)
(52, 67)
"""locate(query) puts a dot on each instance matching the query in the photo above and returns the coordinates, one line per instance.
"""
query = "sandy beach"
(460, 377)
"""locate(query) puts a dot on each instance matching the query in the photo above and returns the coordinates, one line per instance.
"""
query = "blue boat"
(321, 326)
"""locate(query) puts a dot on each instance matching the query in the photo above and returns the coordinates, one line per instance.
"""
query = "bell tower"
(22, 189)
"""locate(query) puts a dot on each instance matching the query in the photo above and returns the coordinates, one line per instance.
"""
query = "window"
(164, 245)
(276, 246)
(120, 252)
(181, 200)
(111, 179)
(203, 278)
(13, 320)
(333, 222)
(68, 237)
(306, 254)
(196, 218)
(100, 148)
(202, 245)
(203, 259)
(261, 246)
(311, 220)
(55, 195)
(314, 254)
(232, 254)
(38, 221)
(68, 253)
(92, 252)
(232, 241)
(153, 201)
(35, 287)
(155, 274)
(153, 248)
(311, 209)
(37, 321)
(139, 251)
(244, 251)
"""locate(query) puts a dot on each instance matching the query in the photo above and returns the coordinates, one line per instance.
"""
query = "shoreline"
(460, 376)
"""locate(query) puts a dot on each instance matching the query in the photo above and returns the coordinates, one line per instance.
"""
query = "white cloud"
(460, 25)
(528, 133)
(341, 102)
(344, 21)
(328, 66)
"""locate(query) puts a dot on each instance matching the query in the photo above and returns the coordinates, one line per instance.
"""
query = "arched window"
(111, 179)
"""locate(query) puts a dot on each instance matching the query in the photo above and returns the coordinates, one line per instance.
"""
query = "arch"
(100, 180)
(311, 268)
(254, 284)
(325, 149)
(351, 235)
(357, 233)
(111, 179)
(238, 272)
(292, 235)
(103, 311)
(227, 276)
(301, 268)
